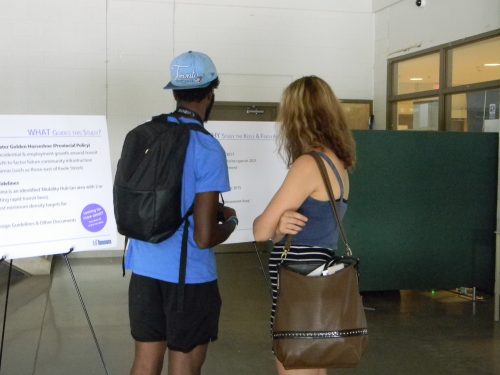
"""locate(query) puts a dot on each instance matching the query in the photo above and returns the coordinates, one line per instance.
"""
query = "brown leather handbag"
(320, 321)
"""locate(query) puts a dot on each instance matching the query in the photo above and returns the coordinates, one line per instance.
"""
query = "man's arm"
(208, 232)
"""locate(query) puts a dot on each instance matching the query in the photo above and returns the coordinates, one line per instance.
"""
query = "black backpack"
(148, 185)
(148, 180)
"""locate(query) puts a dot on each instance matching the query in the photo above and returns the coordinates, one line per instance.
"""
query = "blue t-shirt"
(205, 170)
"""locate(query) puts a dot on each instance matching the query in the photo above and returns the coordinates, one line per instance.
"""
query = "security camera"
(420, 3)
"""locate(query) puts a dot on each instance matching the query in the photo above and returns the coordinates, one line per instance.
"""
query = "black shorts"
(154, 317)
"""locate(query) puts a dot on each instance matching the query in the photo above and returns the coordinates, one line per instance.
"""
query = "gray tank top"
(322, 228)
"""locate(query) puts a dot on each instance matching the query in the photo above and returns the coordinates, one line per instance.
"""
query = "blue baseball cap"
(191, 70)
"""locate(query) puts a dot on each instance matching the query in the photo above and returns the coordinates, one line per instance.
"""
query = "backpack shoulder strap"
(124, 254)
(175, 119)
(183, 267)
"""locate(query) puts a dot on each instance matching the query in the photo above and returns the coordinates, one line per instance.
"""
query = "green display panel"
(422, 209)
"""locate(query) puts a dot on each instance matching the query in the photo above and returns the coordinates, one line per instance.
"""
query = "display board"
(256, 170)
(422, 209)
(55, 185)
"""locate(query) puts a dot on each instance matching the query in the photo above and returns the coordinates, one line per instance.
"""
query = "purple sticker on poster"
(93, 217)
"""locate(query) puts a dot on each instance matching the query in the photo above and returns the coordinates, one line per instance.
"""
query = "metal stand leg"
(5, 310)
(474, 298)
(85, 311)
(268, 281)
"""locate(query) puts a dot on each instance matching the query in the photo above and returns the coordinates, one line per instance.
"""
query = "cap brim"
(171, 86)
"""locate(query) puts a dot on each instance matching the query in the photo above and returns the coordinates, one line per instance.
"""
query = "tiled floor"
(410, 332)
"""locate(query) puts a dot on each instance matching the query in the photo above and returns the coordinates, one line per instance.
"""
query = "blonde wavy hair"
(310, 116)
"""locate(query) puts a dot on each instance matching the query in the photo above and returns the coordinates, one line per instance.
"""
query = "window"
(475, 62)
(358, 114)
(418, 114)
(453, 87)
(415, 75)
(475, 111)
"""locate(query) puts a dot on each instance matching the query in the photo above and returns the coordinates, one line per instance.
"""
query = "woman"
(311, 119)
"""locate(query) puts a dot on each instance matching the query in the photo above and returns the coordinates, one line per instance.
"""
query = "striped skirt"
(296, 254)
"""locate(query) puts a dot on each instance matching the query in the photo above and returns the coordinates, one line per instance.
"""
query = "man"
(156, 324)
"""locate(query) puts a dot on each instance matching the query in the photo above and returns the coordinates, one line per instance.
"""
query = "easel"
(5, 309)
(65, 256)
(264, 273)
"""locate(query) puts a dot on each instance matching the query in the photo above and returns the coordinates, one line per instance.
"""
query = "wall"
(111, 57)
(52, 57)
(258, 47)
(401, 28)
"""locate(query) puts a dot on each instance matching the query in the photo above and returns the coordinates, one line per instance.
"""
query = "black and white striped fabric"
(295, 254)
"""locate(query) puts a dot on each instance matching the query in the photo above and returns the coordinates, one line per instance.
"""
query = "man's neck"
(195, 107)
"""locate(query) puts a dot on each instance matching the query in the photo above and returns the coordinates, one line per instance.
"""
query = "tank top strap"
(335, 172)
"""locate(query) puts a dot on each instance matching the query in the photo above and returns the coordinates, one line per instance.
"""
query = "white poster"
(55, 185)
(256, 171)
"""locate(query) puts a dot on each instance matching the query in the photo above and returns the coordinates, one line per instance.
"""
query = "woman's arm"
(280, 216)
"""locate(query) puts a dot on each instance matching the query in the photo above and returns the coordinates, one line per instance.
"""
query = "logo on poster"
(93, 217)
(100, 242)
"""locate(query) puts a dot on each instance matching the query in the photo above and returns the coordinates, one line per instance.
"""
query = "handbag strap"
(329, 190)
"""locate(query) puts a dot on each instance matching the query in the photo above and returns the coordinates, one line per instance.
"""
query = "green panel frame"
(422, 211)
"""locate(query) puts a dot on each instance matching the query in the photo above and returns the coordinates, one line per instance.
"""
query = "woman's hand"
(291, 222)
(280, 216)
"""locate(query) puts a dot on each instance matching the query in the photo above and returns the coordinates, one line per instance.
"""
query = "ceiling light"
(492, 64)
(416, 79)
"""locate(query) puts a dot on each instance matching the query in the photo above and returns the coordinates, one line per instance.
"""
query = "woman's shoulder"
(304, 161)
(307, 160)
(334, 159)
(304, 171)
